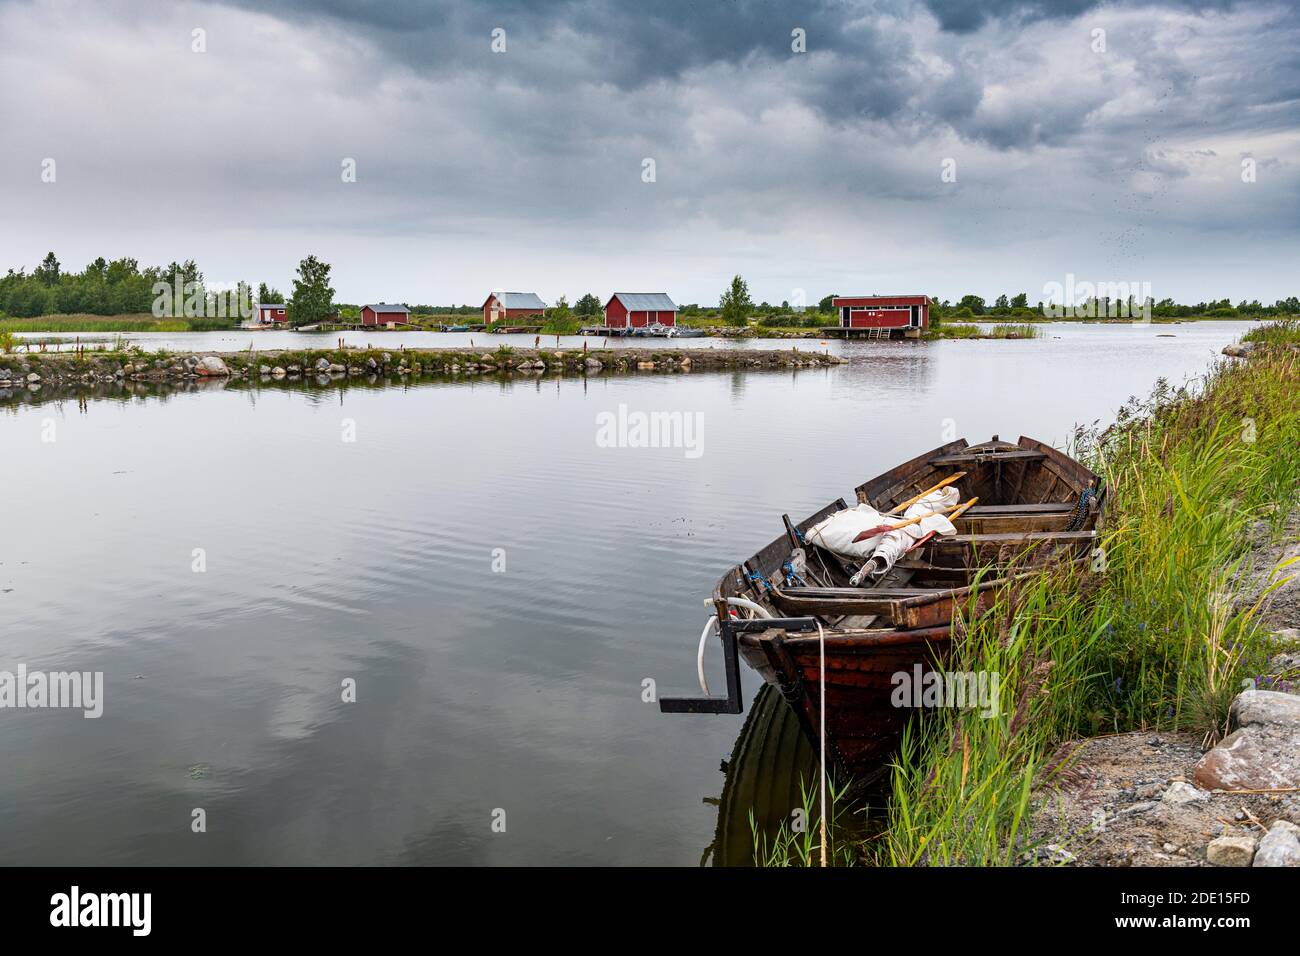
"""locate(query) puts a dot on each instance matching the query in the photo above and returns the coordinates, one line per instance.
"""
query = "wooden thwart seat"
(981, 457)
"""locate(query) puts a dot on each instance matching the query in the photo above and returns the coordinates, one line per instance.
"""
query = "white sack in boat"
(837, 532)
(895, 544)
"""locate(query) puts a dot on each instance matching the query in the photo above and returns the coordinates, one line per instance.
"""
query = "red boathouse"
(882, 311)
(511, 305)
(639, 309)
(266, 314)
(381, 313)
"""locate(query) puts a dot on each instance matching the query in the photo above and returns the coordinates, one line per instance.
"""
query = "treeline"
(122, 287)
(973, 306)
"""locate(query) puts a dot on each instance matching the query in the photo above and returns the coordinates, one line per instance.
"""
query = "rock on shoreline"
(1156, 799)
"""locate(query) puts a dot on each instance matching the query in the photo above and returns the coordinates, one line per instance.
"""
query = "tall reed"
(1158, 633)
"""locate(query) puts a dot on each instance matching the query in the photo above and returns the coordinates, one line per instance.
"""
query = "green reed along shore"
(1159, 636)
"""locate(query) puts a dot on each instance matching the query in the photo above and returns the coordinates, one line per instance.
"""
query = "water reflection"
(372, 560)
(771, 761)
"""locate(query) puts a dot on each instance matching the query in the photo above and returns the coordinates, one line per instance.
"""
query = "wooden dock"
(840, 332)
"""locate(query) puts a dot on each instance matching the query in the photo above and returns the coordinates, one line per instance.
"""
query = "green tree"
(973, 303)
(735, 304)
(587, 305)
(827, 304)
(268, 295)
(1021, 301)
(48, 271)
(313, 299)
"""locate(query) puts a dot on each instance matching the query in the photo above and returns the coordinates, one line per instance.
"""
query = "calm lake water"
(477, 690)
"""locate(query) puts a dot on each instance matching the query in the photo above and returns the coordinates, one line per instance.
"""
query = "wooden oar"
(927, 536)
(952, 512)
(953, 516)
(928, 491)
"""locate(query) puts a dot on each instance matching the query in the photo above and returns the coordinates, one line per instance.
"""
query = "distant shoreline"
(141, 323)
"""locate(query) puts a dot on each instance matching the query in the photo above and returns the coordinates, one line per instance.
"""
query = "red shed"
(883, 311)
(266, 313)
(639, 309)
(381, 313)
(511, 305)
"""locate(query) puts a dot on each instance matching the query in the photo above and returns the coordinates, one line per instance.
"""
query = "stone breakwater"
(35, 370)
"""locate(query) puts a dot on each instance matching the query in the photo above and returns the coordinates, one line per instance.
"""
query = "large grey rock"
(211, 365)
(322, 365)
(1263, 753)
(1280, 845)
(1231, 851)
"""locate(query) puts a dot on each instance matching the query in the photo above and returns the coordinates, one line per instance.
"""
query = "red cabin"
(639, 309)
(384, 314)
(264, 314)
(511, 305)
(883, 311)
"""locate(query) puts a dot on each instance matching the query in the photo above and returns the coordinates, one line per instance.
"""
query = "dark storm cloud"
(863, 63)
(964, 16)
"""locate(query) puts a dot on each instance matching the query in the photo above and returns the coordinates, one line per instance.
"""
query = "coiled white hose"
(709, 625)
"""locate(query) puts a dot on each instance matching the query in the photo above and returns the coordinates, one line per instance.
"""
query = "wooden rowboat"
(1036, 505)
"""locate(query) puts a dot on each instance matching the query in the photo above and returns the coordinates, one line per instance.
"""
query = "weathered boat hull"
(1038, 506)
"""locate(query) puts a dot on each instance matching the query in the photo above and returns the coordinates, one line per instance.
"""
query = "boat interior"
(1034, 504)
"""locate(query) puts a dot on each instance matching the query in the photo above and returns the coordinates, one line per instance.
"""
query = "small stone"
(1231, 851)
(277, 372)
(1280, 845)
(1170, 848)
(322, 365)
(33, 378)
(264, 369)
(1180, 793)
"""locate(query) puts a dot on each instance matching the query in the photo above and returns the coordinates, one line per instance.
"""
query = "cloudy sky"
(1103, 140)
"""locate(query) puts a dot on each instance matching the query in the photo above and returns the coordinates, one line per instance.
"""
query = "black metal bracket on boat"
(732, 703)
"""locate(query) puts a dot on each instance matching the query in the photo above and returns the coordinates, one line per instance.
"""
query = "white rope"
(821, 647)
(699, 656)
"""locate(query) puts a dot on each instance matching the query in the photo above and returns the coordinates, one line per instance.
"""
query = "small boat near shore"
(943, 532)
